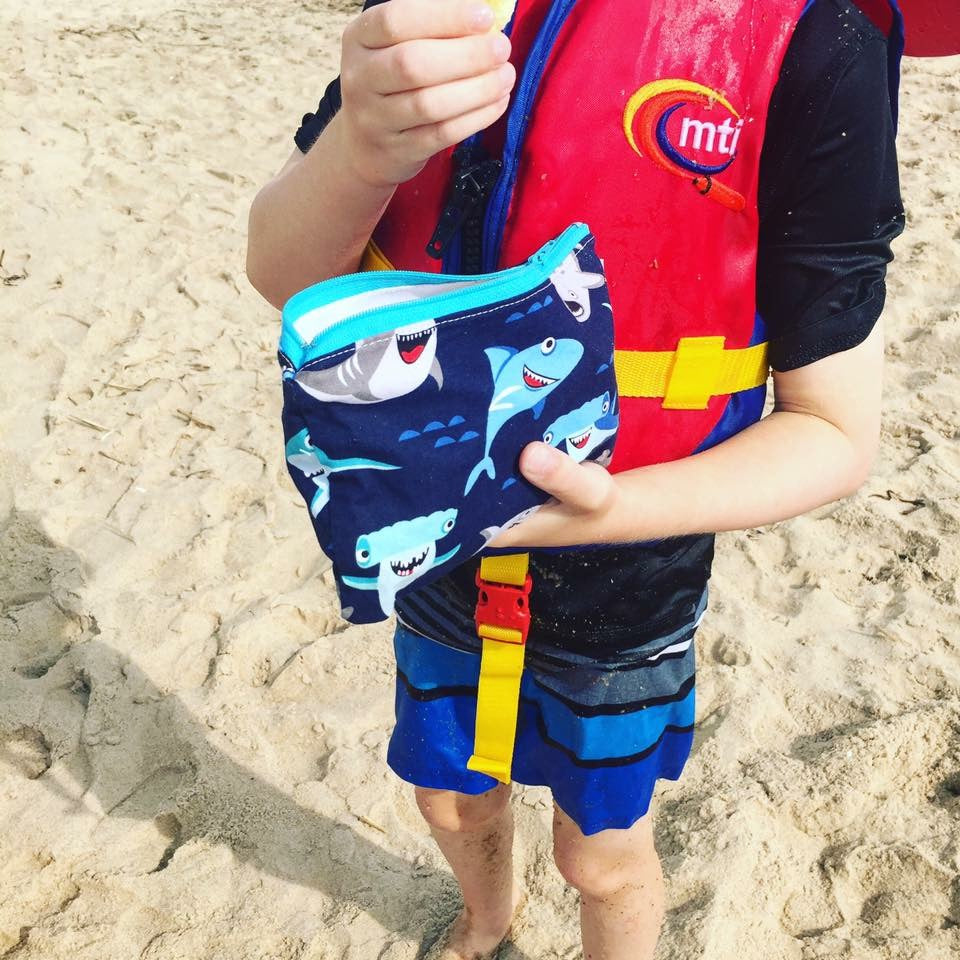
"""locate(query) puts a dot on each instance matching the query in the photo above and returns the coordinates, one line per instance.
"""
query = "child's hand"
(416, 77)
(586, 508)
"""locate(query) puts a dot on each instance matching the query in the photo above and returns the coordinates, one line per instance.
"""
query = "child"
(608, 688)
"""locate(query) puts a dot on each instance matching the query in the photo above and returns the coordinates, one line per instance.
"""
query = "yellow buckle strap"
(686, 378)
(501, 667)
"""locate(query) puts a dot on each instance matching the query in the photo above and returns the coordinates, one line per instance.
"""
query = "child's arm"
(832, 206)
(417, 77)
(817, 445)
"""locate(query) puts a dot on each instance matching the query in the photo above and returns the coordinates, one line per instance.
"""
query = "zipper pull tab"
(471, 187)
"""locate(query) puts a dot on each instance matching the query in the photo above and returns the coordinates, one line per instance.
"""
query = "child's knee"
(461, 812)
(604, 864)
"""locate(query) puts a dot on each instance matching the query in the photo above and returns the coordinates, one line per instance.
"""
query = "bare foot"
(465, 939)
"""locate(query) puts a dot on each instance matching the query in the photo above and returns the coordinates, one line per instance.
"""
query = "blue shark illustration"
(314, 463)
(380, 368)
(579, 432)
(574, 285)
(404, 551)
(522, 380)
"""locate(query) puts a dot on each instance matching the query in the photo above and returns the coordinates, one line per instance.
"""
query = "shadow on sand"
(162, 765)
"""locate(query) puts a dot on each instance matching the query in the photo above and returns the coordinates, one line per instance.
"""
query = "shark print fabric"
(574, 284)
(522, 380)
(404, 552)
(408, 398)
(316, 465)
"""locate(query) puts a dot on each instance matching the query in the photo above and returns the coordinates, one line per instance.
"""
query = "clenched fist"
(416, 77)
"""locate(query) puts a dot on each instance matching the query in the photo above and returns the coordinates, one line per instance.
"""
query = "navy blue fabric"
(403, 487)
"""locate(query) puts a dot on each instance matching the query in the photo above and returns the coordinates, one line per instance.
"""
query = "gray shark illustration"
(488, 533)
(380, 368)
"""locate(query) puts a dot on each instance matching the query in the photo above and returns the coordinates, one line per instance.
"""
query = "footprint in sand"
(730, 653)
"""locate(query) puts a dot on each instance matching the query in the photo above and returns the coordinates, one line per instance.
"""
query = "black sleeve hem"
(313, 124)
(833, 334)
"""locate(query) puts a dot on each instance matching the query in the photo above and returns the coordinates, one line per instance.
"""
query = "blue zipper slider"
(471, 187)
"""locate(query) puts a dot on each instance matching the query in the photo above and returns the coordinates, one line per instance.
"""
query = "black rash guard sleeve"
(829, 190)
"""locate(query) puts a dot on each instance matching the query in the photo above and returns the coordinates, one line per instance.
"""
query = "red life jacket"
(645, 121)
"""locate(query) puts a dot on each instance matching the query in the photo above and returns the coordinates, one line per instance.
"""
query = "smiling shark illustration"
(314, 463)
(573, 285)
(579, 432)
(380, 368)
(404, 551)
(522, 380)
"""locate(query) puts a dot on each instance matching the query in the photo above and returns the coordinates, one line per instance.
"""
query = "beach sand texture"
(192, 742)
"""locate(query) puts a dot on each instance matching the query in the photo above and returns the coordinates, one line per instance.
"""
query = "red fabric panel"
(932, 27)
(678, 263)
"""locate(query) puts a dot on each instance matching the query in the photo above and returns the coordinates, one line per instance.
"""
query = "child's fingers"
(448, 100)
(432, 138)
(423, 63)
(399, 20)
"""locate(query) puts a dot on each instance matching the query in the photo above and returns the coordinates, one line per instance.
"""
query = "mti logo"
(666, 122)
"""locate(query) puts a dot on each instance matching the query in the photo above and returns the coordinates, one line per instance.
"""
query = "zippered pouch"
(409, 396)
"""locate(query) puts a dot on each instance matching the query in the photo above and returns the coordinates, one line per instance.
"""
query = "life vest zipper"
(472, 183)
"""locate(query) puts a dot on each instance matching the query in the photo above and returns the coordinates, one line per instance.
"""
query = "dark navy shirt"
(829, 203)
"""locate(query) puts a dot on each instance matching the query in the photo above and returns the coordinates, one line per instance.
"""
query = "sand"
(192, 742)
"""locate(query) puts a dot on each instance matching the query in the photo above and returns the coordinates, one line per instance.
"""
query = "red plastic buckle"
(503, 605)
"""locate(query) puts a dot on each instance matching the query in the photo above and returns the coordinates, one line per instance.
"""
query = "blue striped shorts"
(597, 732)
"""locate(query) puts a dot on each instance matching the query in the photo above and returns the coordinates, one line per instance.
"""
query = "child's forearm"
(784, 465)
(818, 445)
(781, 467)
(312, 221)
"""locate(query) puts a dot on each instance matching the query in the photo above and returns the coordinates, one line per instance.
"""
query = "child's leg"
(475, 834)
(621, 887)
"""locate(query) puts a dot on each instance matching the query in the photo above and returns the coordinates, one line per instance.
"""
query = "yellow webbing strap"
(686, 378)
(501, 665)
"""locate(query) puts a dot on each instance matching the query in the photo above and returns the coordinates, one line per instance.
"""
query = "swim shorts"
(598, 732)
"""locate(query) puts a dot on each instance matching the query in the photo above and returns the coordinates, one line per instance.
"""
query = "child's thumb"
(581, 486)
